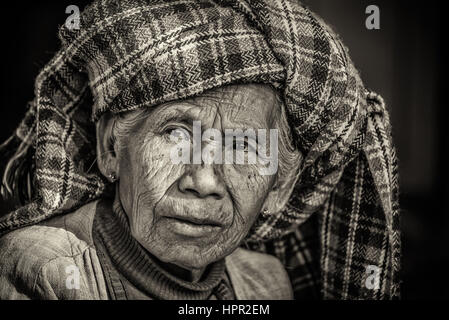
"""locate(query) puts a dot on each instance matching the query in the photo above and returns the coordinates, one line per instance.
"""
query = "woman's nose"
(202, 182)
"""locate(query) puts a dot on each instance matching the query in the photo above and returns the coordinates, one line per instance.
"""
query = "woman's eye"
(179, 134)
(244, 145)
(241, 145)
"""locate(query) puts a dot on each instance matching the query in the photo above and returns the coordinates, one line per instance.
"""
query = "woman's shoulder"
(40, 258)
(65, 235)
(258, 276)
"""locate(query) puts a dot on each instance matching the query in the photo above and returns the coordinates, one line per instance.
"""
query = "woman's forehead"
(253, 106)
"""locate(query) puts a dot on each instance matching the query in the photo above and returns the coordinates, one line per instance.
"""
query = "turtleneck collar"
(139, 268)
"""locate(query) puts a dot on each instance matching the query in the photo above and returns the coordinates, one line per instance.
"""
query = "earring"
(112, 177)
(265, 212)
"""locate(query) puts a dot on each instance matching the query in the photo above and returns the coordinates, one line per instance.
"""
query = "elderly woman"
(110, 205)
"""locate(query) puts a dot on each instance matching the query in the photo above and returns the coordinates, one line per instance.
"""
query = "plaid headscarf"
(343, 215)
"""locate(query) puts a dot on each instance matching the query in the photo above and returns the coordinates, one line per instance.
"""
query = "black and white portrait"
(223, 150)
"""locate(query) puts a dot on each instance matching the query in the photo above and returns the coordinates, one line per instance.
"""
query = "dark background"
(403, 61)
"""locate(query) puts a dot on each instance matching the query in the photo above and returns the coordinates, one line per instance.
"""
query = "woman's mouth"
(192, 227)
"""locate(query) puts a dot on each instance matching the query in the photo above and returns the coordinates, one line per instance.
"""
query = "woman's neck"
(190, 275)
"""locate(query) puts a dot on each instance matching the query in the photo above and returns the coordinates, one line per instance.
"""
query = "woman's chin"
(187, 259)
(186, 255)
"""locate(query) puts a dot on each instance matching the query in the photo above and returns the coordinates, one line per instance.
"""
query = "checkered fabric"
(342, 218)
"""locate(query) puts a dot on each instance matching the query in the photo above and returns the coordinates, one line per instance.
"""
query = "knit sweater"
(93, 244)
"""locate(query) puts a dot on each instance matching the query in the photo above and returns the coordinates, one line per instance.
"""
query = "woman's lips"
(192, 227)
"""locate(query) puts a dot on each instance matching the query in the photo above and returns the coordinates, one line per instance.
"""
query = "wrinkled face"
(194, 214)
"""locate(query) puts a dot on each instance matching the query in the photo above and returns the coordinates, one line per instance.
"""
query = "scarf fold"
(130, 54)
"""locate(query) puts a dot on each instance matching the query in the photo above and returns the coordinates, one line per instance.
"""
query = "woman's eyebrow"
(164, 119)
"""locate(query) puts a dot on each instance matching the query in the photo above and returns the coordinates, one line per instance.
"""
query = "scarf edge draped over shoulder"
(131, 54)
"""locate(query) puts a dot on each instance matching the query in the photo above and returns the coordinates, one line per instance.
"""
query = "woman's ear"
(106, 153)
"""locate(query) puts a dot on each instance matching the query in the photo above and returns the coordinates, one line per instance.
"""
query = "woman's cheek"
(248, 187)
(158, 171)
(154, 174)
